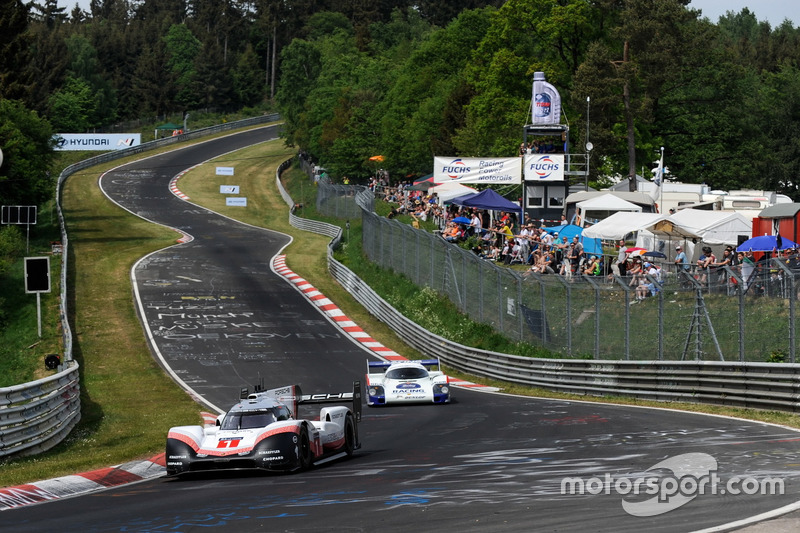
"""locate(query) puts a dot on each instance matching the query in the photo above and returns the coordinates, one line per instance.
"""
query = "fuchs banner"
(477, 170)
(96, 141)
(546, 102)
(544, 167)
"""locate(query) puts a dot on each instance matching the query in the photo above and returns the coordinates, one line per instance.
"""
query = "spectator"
(451, 232)
(620, 266)
(592, 267)
(704, 263)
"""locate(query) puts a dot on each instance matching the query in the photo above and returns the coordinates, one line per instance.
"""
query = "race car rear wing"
(427, 363)
(292, 396)
(336, 397)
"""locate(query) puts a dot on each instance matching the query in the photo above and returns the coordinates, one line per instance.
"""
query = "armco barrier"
(740, 384)
(36, 416)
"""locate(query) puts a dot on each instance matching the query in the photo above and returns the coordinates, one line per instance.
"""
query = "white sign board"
(224, 171)
(229, 189)
(242, 202)
(505, 170)
(96, 141)
(544, 167)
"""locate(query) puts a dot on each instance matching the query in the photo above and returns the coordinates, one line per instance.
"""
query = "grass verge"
(127, 402)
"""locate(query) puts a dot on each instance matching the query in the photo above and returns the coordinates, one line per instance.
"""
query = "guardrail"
(739, 384)
(36, 416)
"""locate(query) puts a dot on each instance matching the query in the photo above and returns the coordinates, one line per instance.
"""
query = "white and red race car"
(407, 381)
(263, 431)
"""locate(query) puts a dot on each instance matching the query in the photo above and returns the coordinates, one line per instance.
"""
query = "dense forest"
(410, 80)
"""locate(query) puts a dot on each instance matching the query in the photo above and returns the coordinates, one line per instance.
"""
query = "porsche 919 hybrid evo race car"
(263, 431)
(407, 381)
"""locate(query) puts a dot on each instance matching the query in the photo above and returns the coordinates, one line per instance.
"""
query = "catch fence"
(723, 314)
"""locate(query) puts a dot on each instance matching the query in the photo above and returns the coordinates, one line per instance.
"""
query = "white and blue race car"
(263, 432)
(406, 381)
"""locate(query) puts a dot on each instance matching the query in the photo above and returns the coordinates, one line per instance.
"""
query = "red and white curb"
(348, 326)
(62, 487)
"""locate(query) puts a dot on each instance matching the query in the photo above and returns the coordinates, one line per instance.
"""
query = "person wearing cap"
(681, 260)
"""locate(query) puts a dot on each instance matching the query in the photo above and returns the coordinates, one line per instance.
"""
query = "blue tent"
(590, 246)
(488, 199)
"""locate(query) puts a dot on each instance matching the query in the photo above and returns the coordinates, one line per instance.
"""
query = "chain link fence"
(737, 313)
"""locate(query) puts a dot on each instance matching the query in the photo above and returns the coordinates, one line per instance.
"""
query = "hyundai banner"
(96, 141)
(544, 167)
(504, 170)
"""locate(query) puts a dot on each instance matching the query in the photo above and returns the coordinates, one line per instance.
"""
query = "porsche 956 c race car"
(406, 381)
(263, 431)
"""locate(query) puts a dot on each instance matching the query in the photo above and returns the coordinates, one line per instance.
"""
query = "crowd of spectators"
(540, 146)
(505, 240)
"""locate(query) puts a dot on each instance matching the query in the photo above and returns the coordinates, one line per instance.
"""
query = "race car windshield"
(258, 419)
(406, 373)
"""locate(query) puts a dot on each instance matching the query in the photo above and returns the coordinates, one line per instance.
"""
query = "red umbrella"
(634, 251)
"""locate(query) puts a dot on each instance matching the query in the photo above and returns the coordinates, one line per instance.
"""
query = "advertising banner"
(505, 170)
(229, 189)
(544, 167)
(224, 171)
(96, 141)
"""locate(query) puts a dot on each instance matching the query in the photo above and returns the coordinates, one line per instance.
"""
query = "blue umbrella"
(765, 243)
(461, 220)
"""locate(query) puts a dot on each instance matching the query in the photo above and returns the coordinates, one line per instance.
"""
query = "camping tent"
(620, 224)
(490, 200)
(603, 206)
(448, 191)
(568, 231)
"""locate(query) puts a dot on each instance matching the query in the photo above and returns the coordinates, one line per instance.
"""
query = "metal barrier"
(739, 384)
(38, 415)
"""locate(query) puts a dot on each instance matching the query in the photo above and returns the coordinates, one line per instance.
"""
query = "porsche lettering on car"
(406, 381)
(263, 431)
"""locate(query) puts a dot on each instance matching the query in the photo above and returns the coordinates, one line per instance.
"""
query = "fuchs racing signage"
(504, 170)
(96, 141)
(544, 167)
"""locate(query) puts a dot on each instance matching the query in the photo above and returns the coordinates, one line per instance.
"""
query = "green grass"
(22, 351)
(127, 402)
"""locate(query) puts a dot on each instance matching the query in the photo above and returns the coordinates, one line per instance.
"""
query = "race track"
(219, 319)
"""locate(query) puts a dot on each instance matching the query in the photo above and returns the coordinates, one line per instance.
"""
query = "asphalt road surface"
(220, 319)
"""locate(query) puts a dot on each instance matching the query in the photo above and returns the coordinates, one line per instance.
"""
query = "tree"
(15, 80)
(182, 49)
(26, 140)
(248, 83)
(73, 107)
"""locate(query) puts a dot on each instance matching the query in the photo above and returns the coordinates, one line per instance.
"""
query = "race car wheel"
(304, 449)
(349, 435)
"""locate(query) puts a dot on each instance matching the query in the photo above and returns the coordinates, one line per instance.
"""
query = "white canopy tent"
(710, 227)
(448, 191)
(618, 225)
(601, 207)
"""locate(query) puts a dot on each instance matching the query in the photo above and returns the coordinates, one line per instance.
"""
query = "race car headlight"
(441, 388)
(375, 391)
(445, 389)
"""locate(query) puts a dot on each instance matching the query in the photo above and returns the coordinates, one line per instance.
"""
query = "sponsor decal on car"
(402, 386)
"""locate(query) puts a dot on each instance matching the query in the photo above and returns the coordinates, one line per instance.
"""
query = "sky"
(773, 11)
